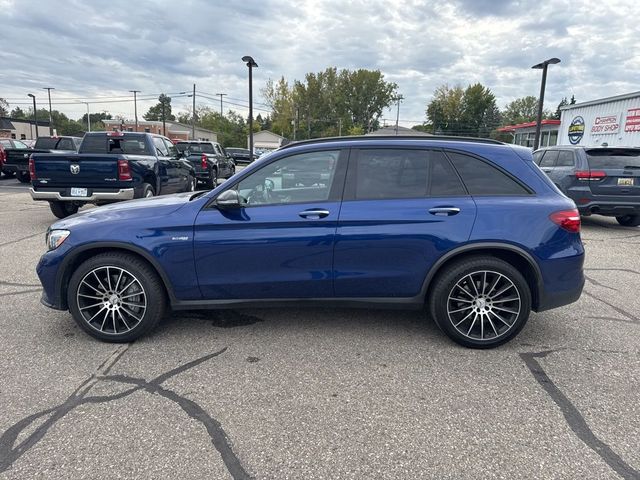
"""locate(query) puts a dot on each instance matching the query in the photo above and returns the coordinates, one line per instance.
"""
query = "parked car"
(600, 180)
(17, 160)
(109, 167)
(10, 146)
(210, 161)
(240, 155)
(470, 228)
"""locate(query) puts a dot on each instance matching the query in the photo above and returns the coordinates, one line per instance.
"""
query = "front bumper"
(56, 195)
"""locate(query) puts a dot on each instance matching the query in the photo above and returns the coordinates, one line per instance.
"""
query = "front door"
(402, 209)
(279, 243)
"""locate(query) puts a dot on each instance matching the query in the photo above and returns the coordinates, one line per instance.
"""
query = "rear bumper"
(13, 168)
(562, 282)
(116, 195)
(611, 205)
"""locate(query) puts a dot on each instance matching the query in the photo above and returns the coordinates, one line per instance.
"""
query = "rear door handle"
(444, 211)
(314, 213)
(546, 170)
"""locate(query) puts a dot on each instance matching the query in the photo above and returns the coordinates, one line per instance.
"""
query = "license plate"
(625, 181)
(78, 192)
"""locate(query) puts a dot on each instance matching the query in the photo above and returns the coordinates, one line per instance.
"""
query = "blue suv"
(471, 230)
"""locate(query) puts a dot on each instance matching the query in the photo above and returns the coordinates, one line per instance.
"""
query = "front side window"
(481, 178)
(161, 148)
(19, 145)
(302, 178)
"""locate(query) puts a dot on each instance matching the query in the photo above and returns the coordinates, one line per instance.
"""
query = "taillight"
(3, 156)
(124, 172)
(590, 175)
(567, 219)
(203, 162)
(32, 169)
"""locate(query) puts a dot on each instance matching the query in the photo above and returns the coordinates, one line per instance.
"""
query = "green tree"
(155, 112)
(4, 107)
(97, 123)
(521, 110)
(446, 110)
(480, 114)
(558, 112)
(17, 113)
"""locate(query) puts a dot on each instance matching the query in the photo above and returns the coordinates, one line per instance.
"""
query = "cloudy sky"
(98, 51)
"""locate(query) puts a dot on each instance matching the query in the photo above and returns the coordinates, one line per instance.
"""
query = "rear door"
(564, 172)
(614, 171)
(402, 209)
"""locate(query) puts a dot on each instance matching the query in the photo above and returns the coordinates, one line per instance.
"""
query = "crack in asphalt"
(21, 292)
(598, 284)
(631, 318)
(10, 452)
(626, 270)
(574, 418)
(13, 284)
(11, 242)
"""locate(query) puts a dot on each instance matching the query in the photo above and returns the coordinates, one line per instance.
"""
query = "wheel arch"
(80, 254)
(512, 254)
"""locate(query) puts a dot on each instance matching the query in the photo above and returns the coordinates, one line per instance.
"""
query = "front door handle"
(546, 170)
(444, 211)
(314, 213)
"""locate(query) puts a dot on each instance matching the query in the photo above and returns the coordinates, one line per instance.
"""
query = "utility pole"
(35, 115)
(296, 122)
(193, 117)
(164, 129)
(88, 117)
(48, 89)
(339, 127)
(221, 95)
(135, 106)
(398, 98)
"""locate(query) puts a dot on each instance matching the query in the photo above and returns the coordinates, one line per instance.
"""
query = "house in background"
(403, 131)
(22, 129)
(267, 141)
(524, 133)
(175, 130)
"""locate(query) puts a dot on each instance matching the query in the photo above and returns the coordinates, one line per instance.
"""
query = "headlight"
(56, 237)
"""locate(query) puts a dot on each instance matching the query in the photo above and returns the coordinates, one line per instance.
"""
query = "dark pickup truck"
(10, 144)
(17, 158)
(210, 161)
(109, 167)
(240, 155)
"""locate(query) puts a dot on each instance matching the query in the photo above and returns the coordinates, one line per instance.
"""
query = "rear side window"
(65, 144)
(613, 158)
(443, 179)
(565, 159)
(549, 158)
(481, 178)
(390, 173)
(537, 156)
(46, 143)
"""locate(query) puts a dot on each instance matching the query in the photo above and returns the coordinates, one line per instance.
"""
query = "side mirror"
(228, 199)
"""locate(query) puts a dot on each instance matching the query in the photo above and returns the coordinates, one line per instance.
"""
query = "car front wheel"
(480, 302)
(116, 297)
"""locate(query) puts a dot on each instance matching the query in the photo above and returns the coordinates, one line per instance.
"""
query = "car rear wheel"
(63, 209)
(629, 220)
(23, 177)
(116, 297)
(480, 302)
(212, 181)
(147, 191)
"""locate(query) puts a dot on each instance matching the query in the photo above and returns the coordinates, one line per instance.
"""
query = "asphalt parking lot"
(307, 394)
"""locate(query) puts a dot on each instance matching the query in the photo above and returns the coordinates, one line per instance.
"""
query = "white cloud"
(91, 49)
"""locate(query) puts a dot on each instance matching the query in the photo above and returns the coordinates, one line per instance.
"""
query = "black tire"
(629, 220)
(23, 177)
(192, 183)
(8, 174)
(147, 191)
(63, 209)
(212, 181)
(149, 289)
(447, 296)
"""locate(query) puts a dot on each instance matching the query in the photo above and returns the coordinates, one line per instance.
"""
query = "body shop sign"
(606, 124)
(632, 123)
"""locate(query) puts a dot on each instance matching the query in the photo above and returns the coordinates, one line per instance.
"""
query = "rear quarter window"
(481, 178)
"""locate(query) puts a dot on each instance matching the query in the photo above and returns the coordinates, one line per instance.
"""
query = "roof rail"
(398, 137)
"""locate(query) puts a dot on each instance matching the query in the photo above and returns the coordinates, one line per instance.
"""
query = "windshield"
(613, 158)
(47, 143)
(132, 144)
(195, 147)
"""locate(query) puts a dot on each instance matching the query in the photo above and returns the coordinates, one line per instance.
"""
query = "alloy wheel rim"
(111, 300)
(484, 305)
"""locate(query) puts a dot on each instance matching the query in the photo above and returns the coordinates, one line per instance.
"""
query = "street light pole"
(88, 117)
(35, 116)
(251, 64)
(193, 117)
(135, 106)
(221, 95)
(48, 89)
(543, 66)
